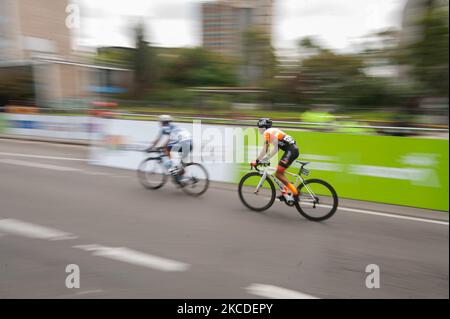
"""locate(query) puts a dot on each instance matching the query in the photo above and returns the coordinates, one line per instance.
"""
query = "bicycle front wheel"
(151, 173)
(195, 179)
(317, 201)
(257, 200)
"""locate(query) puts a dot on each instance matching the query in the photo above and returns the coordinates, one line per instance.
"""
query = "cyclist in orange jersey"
(279, 140)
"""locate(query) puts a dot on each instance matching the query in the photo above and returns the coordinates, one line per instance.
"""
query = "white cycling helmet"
(165, 118)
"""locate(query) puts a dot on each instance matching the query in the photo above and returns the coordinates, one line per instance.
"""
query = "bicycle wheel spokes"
(195, 180)
(256, 200)
(151, 174)
(318, 200)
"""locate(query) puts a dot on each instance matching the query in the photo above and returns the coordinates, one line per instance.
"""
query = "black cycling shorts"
(289, 156)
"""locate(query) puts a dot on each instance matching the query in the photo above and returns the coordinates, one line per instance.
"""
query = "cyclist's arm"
(264, 151)
(157, 140)
(274, 150)
(166, 143)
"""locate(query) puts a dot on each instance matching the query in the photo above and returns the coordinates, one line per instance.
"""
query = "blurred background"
(361, 85)
(345, 66)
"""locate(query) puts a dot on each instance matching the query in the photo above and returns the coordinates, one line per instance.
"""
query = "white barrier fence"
(119, 143)
(53, 126)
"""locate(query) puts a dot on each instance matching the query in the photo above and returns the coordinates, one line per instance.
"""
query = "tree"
(427, 56)
(115, 56)
(312, 44)
(326, 72)
(258, 56)
(199, 67)
(144, 63)
(382, 46)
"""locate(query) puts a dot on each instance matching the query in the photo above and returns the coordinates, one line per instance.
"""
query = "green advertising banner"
(395, 170)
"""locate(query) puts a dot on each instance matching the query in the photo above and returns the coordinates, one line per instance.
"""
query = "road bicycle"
(192, 178)
(318, 200)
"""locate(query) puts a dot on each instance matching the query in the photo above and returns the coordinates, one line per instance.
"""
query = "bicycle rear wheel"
(195, 179)
(261, 200)
(318, 200)
(151, 173)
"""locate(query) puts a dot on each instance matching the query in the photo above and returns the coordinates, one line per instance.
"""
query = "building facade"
(34, 36)
(224, 21)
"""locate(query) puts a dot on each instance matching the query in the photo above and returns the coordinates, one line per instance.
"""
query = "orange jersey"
(274, 135)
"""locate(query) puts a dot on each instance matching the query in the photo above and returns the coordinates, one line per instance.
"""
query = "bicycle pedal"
(281, 198)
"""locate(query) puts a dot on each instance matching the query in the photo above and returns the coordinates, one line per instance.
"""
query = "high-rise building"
(29, 28)
(224, 21)
(34, 36)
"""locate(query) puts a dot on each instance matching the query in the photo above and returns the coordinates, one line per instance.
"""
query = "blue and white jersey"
(176, 134)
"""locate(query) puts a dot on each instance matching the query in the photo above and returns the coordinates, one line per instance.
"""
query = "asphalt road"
(129, 242)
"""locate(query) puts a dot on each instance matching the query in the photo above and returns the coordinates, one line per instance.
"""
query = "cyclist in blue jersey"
(179, 141)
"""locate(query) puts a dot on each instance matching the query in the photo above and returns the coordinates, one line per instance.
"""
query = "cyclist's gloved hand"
(254, 163)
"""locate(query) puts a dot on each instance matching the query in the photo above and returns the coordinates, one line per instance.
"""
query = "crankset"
(290, 203)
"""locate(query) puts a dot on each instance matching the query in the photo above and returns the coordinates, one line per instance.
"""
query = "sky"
(338, 24)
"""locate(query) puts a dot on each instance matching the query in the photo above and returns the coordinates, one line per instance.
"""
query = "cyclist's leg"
(287, 159)
(167, 158)
(186, 149)
(176, 169)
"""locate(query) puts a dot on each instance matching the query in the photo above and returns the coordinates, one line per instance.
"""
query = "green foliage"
(144, 63)
(370, 92)
(258, 55)
(328, 67)
(428, 55)
(116, 56)
(199, 67)
(171, 96)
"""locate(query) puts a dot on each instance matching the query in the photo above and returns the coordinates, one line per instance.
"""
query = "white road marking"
(85, 292)
(50, 166)
(95, 173)
(368, 212)
(275, 292)
(21, 228)
(44, 157)
(38, 165)
(135, 257)
(79, 293)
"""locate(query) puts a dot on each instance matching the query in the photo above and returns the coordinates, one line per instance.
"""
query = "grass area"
(210, 112)
(150, 113)
(350, 118)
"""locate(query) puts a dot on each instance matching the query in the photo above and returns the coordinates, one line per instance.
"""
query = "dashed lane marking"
(275, 292)
(17, 227)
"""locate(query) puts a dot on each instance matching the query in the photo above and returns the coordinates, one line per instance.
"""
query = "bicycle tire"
(205, 188)
(142, 175)
(272, 187)
(333, 193)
